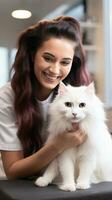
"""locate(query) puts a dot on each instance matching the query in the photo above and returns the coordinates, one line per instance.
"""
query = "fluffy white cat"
(93, 158)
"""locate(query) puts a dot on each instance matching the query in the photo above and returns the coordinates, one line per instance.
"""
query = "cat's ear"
(90, 90)
(62, 89)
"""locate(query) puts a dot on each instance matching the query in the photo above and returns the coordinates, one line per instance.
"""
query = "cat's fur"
(93, 158)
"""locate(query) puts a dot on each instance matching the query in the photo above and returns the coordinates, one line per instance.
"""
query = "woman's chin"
(50, 85)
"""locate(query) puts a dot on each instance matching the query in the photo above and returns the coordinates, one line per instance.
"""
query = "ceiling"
(10, 27)
(39, 8)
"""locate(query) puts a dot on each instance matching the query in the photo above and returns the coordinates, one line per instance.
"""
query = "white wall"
(10, 29)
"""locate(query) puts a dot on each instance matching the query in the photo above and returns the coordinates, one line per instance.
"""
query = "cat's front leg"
(66, 167)
(86, 169)
(48, 176)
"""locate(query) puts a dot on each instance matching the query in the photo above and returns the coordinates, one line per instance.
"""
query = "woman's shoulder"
(8, 126)
(6, 94)
(6, 87)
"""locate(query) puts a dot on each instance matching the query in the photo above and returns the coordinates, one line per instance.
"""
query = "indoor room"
(95, 19)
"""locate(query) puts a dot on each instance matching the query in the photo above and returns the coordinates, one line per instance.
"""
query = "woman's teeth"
(51, 77)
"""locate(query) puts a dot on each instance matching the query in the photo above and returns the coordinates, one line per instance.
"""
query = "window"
(6, 61)
(4, 67)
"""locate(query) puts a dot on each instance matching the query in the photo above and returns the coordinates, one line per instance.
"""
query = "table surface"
(26, 190)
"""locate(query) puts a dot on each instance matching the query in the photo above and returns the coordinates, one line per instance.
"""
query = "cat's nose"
(74, 115)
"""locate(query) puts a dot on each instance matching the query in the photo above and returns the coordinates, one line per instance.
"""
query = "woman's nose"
(55, 68)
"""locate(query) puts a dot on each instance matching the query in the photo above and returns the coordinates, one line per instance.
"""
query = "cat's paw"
(82, 185)
(67, 187)
(41, 182)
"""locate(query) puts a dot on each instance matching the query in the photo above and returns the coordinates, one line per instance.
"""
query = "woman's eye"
(81, 105)
(48, 59)
(68, 104)
(65, 63)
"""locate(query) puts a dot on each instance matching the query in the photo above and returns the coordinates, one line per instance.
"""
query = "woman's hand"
(69, 140)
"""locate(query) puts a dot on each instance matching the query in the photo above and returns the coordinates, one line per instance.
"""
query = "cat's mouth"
(76, 120)
(75, 125)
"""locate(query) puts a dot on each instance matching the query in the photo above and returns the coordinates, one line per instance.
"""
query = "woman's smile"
(51, 78)
(53, 63)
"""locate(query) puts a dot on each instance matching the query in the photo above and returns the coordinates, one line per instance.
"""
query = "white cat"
(93, 158)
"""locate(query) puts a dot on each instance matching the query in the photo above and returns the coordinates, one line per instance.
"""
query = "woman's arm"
(16, 166)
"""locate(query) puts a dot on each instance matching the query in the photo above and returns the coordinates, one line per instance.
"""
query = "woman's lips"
(51, 77)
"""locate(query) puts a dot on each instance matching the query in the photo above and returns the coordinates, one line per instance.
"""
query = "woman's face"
(52, 63)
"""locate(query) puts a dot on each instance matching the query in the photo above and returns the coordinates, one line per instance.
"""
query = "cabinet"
(89, 36)
(91, 21)
(93, 33)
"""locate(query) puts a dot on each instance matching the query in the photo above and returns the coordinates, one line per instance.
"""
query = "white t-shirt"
(8, 127)
(44, 105)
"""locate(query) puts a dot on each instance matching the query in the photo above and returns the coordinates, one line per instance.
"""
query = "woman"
(48, 53)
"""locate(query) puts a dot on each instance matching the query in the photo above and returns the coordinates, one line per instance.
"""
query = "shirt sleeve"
(8, 127)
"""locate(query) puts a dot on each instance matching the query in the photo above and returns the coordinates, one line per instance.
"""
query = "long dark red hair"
(24, 81)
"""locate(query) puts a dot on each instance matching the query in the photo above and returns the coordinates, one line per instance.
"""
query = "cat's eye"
(68, 104)
(81, 105)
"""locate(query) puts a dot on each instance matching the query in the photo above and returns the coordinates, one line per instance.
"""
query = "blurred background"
(95, 18)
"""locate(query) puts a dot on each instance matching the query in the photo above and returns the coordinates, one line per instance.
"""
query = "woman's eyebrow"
(47, 53)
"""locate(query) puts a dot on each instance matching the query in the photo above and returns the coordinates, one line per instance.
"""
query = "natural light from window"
(4, 68)
(6, 60)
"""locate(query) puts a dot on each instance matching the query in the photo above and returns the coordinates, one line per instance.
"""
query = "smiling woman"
(46, 59)
(50, 66)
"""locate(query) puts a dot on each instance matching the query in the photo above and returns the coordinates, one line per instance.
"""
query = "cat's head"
(76, 103)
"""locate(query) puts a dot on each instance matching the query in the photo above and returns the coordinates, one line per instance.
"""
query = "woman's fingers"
(79, 137)
(70, 139)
